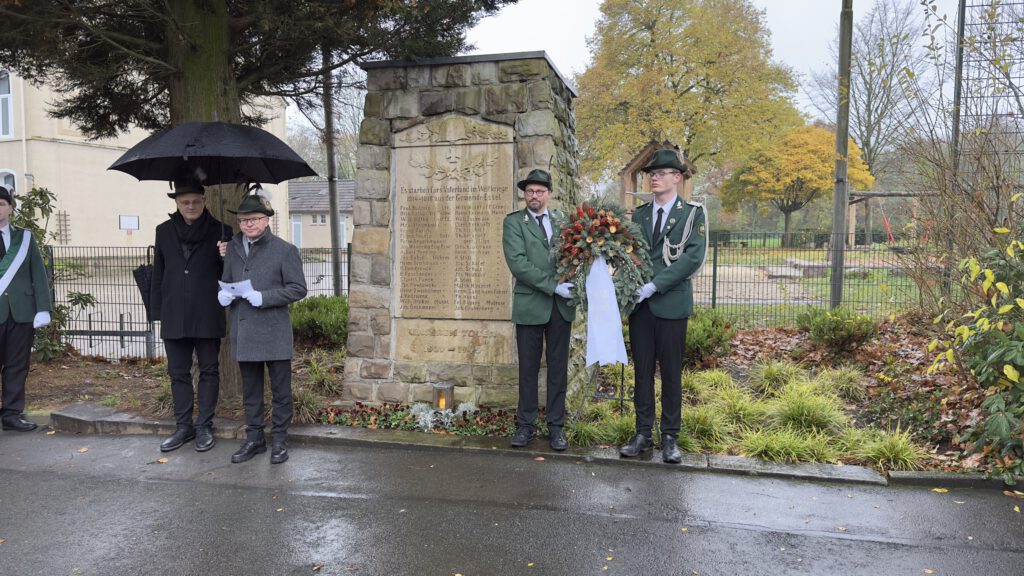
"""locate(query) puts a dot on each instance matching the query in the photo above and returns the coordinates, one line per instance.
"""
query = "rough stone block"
(375, 369)
(399, 124)
(358, 391)
(433, 103)
(515, 97)
(458, 374)
(361, 215)
(369, 297)
(373, 105)
(465, 394)
(371, 240)
(411, 372)
(505, 375)
(517, 70)
(380, 271)
(401, 104)
(484, 73)
(393, 392)
(358, 321)
(360, 345)
(499, 397)
(380, 213)
(373, 157)
(421, 393)
(418, 76)
(382, 346)
(458, 75)
(467, 101)
(380, 322)
(538, 123)
(360, 266)
(540, 95)
(504, 98)
(481, 374)
(372, 184)
(375, 132)
(544, 150)
(385, 79)
(509, 119)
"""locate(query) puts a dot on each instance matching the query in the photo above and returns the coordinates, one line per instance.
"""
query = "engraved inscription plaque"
(453, 187)
(467, 341)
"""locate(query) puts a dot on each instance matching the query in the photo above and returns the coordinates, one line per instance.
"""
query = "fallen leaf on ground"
(1016, 509)
(1014, 494)
(940, 490)
(929, 571)
(538, 459)
(609, 558)
(51, 432)
(841, 528)
(83, 450)
(959, 502)
(317, 567)
(684, 529)
(163, 460)
(279, 510)
(530, 564)
(2, 540)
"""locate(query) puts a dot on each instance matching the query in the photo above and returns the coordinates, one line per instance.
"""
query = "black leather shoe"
(18, 424)
(557, 440)
(248, 450)
(637, 446)
(178, 439)
(204, 438)
(669, 450)
(278, 452)
(522, 438)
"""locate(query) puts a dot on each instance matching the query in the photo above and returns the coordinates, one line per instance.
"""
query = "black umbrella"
(214, 152)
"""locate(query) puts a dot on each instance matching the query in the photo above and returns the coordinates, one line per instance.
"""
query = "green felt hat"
(665, 158)
(537, 176)
(253, 203)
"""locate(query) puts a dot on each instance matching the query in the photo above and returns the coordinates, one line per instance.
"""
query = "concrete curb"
(89, 418)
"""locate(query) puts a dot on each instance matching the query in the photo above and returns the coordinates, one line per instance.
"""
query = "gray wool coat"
(275, 270)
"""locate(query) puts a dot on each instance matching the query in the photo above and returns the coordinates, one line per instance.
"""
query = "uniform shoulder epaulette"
(644, 204)
(513, 213)
(694, 203)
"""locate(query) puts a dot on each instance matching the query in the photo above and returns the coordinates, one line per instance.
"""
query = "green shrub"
(707, 337)
(768, 376)
(739, 408)
(320, 320)
(840, 330)
(788, 445)
(803, 406)
(844, 381)
(583, 433)
(618, 429)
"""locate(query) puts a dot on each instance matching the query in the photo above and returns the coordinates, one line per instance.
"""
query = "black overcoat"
(184, 292)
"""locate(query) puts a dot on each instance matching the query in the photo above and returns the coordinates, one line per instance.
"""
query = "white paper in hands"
(604, 323)
(237, 289)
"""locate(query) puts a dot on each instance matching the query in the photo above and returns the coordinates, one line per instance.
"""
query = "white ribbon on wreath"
(604, 324)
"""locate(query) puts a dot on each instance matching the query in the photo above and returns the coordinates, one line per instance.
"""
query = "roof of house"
(311, 196)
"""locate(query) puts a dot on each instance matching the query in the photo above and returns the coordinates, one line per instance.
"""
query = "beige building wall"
(50, 153)
(319, 235)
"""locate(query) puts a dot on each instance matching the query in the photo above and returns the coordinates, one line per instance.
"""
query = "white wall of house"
(49, 153)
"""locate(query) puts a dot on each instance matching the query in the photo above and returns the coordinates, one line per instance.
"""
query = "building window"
(6, 108)
(323, 218)
(312, 219)
(7, 179)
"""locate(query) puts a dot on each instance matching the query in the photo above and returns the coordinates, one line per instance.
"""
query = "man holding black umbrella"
(183, 298)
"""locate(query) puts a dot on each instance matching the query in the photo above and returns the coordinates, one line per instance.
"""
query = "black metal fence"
(750, 277)
(116, 325)
(754, 280)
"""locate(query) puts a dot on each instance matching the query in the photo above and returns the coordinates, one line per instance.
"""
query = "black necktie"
(3, 244)
(543, 232)
(657, 228)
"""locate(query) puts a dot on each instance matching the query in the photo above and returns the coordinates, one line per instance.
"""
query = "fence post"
(714, 269)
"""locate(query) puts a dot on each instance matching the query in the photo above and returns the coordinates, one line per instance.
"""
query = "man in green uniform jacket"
(675, 231)
(24, 306)
(540, 308)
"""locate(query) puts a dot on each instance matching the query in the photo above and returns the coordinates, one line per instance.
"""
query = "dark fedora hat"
(253, 203)
(186, 186)
(537, 176)
(666, 158)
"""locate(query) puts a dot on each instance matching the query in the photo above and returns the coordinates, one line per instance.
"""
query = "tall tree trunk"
(869, 227)
(204, 89)
(787, 238)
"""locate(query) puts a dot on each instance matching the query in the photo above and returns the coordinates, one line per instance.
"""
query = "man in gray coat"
(261, 327)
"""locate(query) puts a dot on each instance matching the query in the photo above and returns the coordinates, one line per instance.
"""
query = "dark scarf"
(190, 235)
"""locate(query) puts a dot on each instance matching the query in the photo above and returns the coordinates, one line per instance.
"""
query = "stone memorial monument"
(441, 146)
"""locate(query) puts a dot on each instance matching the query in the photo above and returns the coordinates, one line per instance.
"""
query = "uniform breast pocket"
(520, 289)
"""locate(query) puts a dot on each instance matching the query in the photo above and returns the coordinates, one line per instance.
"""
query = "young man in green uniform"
(675, 231)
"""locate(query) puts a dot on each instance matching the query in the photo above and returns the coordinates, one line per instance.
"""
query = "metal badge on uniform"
(671, 220)
(700, 230)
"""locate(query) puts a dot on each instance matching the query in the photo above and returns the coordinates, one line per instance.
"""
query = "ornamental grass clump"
(845, 381)
(740, 408)
(768, 376)
(789, 445)
(893, 451)
(707, 426)
(803, 406)
(305, 405)
(618, 429)
(584, 433)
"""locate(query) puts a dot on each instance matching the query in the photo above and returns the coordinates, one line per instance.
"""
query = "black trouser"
(15, 354)
(530, 342)
(280, 395)
(654, 339)
(179, 368)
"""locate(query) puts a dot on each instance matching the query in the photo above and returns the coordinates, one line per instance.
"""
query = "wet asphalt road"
(113, 509)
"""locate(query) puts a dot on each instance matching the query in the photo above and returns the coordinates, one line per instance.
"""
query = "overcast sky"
(801, 30)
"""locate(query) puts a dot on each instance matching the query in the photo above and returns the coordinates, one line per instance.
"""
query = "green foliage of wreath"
(601, 229)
